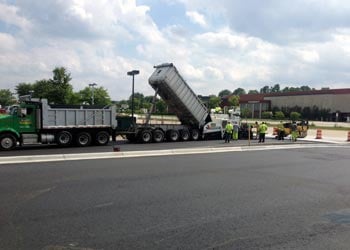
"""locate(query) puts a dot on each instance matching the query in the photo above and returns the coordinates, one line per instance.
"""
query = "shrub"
(294, 116)
(279, 115)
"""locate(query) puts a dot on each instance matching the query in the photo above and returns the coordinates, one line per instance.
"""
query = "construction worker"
(257, 130)
(280, 131)
(228, 132)
(294, 129)
(235, 131)
(263, 130)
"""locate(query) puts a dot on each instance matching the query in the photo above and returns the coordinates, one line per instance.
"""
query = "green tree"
(6, 97)
(276, 88)
(42, 89)
(60, 89)
(138, 101)
(56, 90)
(224, 92)
(265, 90)
(253, 91)
(305, 88)
(101, 96)
(24, 89)
(239, 91)
(214, 101)
(161, 107)
(234, 101)
(246, 112)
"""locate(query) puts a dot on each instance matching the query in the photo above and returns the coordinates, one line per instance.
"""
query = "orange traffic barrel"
(319, 134)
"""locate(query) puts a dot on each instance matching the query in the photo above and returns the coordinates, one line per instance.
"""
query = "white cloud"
(9, 15)
(99, 41)
(7, 42)
(197, 18)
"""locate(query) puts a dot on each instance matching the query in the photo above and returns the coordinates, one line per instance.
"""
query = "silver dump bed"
(77, 117)
(175, 92)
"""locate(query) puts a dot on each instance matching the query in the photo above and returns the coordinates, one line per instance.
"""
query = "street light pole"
(133, 73)
(92, 85)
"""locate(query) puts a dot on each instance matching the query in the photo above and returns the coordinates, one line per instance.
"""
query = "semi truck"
(35, 121)
(196, 121)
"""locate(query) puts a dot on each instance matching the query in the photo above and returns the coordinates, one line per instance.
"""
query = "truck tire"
(64, 138)
(173, 135)
(158, 135)
(7, 142)
(195, 134)
(146, 136)
(102, 138)
(185, 134)
(83, 139)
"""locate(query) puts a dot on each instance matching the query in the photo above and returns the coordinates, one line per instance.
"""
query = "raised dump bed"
(176, 93)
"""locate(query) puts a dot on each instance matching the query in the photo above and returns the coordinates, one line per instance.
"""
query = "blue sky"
(216, 45)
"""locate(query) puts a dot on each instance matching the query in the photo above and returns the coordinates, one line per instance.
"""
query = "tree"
(101, 96)
(265, 90)
(246, 112)
(60, 89)
(161, 107)
(305, 88)
(253, 91)
(239, 91)
(24, 88)
(42, 89)
(234, 101)
(56, 90)
(224, 92)
(6, 97)
(214, 101)
(276, 88)
(138, 101)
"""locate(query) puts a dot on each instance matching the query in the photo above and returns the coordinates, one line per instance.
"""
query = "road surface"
(266, 199)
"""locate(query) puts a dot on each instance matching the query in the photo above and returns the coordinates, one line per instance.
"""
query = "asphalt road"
(276, 199)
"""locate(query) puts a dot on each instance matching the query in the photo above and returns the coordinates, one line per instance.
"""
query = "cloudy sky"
(216, 45)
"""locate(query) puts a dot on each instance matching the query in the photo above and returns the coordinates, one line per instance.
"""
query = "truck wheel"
(195, 134)
(185, 134)
(146, 136)
(158, 135)
(102, 138)
(83, 139)
(64, 138)
(7, 142)
(173, 135)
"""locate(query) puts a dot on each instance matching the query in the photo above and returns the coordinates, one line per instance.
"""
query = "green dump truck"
(35, 121)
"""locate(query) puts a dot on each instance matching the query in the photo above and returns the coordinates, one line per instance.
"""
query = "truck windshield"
(13, 110)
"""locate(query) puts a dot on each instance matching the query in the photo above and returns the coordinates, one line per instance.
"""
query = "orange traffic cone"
(349, 136)
(319, 134)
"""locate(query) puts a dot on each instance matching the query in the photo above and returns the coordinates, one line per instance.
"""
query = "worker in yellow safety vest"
(228, 132)
(281, 131)
(263, 130)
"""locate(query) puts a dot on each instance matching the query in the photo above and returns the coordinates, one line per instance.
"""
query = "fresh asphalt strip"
(131, 154)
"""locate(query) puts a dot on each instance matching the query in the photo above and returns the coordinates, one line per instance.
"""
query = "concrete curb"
(131, 154)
